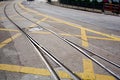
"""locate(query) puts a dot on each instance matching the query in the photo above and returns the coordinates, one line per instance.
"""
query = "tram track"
(82, 50)
(38, 47)
(42, 52)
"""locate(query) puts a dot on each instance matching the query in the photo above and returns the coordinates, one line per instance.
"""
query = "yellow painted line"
(43, 19)
(5, 42)
(45, 72)
(13, 18)
(100, 38)
(49, 20)
(64, 34)
(3, 18)
(93, 37)
(84, 37)
(30, 70)
(104, 77)
(33, 25)
(88, 66)
(1, 3)
(103, 34)
(18, 19)
(69, 23)
(88, 70)
(3, 29)
(17, 15)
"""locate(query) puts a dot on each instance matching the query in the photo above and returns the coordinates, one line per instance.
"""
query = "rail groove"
(82, 50)
(39, 48)
(41, 51)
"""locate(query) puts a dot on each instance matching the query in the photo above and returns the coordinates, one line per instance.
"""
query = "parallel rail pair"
(42, 51)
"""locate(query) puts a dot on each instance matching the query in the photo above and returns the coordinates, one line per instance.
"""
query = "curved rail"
(40, 49)
(82, 50)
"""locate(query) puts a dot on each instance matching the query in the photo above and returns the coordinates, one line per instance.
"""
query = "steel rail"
(57, 61)
(99, 56)
(83, 52)
(113, 63)
(50, 55)
(41, 48)
(52, 71)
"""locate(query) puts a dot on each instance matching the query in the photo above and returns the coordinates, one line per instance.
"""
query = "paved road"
(96, 19)
(92, 31)
(107, 24)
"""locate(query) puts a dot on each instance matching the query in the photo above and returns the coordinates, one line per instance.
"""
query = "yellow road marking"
(90, 37)
(88, 70)
(103, 34)
(100, 38)
(3, 18)
(45, 72)
(104, 77)
(88, 66)
(30, 70)
(3, 29)
(18, 19)
(5, 42)
(49, 20)
(33, 25)
(84, 37)
(1, 3)
(70, 24)
(64, 34)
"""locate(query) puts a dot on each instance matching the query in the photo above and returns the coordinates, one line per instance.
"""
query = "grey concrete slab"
(21, 52)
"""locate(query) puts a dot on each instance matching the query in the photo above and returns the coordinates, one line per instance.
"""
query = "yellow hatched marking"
(64, 34)
(103, 34)
(88, 66)
(3, 18)
(88, 70)
(71, 24)
(1, 3)
(18, 19)
(104, 77)
(5, 42)
(16, 15)
(100, 38)
(84, 37)
(30, 70)
(45, 72)
(3, 29)
(33, 25)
